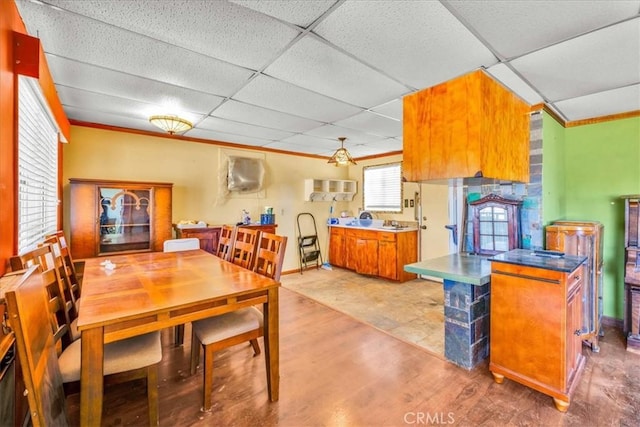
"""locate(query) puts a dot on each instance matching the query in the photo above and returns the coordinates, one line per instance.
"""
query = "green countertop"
(464, 268)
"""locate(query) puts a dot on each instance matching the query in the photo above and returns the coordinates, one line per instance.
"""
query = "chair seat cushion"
(218, 328)
(119, 356)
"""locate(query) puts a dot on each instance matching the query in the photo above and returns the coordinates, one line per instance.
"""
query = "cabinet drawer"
(386, 236)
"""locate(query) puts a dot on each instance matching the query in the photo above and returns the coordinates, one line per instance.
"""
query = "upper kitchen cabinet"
(113, 217)
(470, 126)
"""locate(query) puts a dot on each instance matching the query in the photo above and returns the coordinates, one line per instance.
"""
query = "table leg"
(271, 344)
(91, 377)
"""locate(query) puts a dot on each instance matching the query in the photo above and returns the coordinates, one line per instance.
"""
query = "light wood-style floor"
(337, 371)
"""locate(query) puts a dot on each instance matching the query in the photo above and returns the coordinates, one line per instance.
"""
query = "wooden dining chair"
(62, 251)
(245, 246)
(225, 241)
(124, 360)
(76, 268)
(29, 319)
(177, 245)
(247, 324)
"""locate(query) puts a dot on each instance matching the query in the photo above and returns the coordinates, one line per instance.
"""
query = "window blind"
(37, 166)
(383, 187)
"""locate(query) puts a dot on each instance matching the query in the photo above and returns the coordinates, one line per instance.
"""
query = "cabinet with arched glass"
(496, 224)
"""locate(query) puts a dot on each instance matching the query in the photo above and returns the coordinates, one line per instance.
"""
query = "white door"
(434, 237)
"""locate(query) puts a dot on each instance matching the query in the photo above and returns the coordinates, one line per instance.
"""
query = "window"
(383, 187)
(37, 166)
(496, 224)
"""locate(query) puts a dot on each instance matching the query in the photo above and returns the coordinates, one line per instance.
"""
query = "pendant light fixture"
(171, 124)
(341, 157)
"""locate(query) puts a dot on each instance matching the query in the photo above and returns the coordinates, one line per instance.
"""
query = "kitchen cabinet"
(470, 126)
(584, 238)
(374, 252)
(536, 320)
(208, 236)
(109, 217)
(631, 321)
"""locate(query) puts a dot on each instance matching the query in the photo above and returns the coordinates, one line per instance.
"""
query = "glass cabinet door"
(124, 223)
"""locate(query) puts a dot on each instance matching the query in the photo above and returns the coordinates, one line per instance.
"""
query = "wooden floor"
(336, 371)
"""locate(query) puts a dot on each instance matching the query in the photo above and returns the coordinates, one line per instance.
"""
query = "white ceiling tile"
(110, 119)
(353, 136)
(372, 123)
(297, 148)
(514, 28)
(316, 142)
(419, 43)
(297, 12)
(218, 29)
(391, 109)
(103, 81)
(227, 137)
(385, 146)
(595, 62)
(281, 96)
(78, 38)
(314, 65)
(239, 111)
(600, 104)
(95, 104)
(228, 126)
(513, 82)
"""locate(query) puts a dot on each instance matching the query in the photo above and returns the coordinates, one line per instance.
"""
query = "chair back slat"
(73, 268)
(225, 241)
(59, 309)
(177, 245)
(270, 255)
(245, 246)
(41, 256)
(28, 314)
(71, 289)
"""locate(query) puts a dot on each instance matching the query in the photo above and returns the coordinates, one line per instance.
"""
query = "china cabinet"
(109, 217)
(632, 272)
(496, 224)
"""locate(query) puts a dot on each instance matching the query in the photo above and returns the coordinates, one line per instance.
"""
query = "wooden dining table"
(154, 290)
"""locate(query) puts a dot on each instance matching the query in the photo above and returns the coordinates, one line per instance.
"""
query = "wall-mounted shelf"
(319, 190)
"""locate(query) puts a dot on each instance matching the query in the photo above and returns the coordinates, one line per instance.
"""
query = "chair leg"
(195, 353)
(207, 386)
(152, 395)
(256, 347)
(178, 335)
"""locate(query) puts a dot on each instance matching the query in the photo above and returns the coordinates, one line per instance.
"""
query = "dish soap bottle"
(246, 219)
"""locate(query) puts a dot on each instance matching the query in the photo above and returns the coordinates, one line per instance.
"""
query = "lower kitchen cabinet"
(374, 252)
(536, 322)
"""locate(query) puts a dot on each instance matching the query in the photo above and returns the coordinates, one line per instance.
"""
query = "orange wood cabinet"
(374, 252)
(465, 127)
(209, 236)
(109, 217)
(536, 320)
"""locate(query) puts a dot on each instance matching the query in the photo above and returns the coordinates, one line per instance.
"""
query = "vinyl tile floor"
(412, 311)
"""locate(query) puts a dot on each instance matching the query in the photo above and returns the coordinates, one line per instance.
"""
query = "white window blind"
(383, 187)
(37, 166)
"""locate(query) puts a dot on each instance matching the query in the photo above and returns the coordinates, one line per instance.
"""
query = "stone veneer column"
(466, 312)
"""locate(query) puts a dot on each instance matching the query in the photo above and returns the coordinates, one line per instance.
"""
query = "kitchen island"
(466, 304)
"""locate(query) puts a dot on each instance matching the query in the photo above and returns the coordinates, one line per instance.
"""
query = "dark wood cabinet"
(536, 317)
(208, 236)
(632, 272)
(584, 238)
(109, 217)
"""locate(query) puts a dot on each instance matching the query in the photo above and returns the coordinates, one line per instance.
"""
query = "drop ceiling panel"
(419, 43)
(239, 111)
(602, 103)
(170, 99)
(218, 29)
(353, 136)
(316, 66)
(298, 12)
(281, 96)
(82, 39)
(386, 145)
(300, 148)
(514, 28)
(515, 84)
(595, 62)
(391, 109)
(318, 144)
(109, 119)
(228, 126)
(226, 137)
(372, 123)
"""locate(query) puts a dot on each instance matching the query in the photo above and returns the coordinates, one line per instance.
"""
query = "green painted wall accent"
(602, 162)
(553, 170)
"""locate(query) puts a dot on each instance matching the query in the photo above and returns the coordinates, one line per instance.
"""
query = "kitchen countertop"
(465, 268)
(566, 263)
(376, 228)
